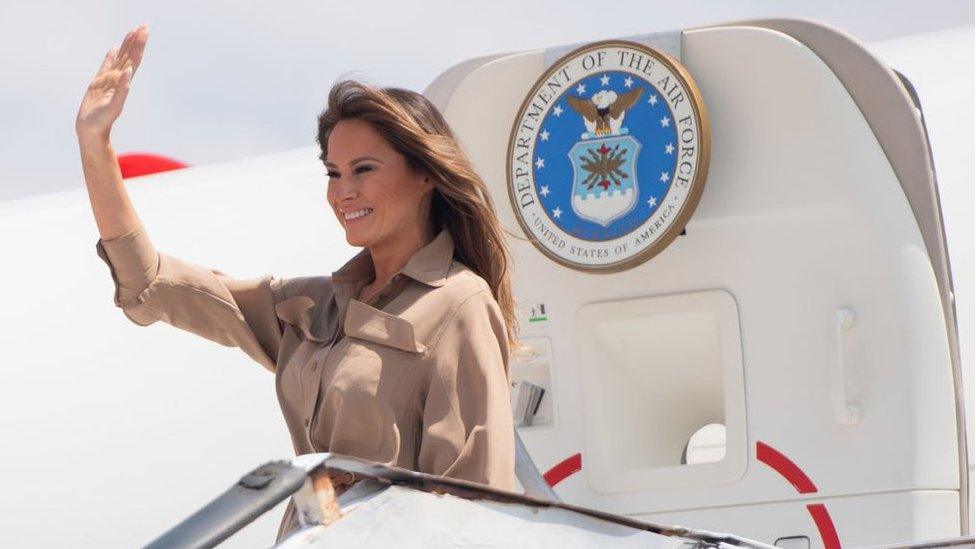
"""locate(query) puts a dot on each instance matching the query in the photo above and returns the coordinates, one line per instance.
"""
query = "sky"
(225, 80)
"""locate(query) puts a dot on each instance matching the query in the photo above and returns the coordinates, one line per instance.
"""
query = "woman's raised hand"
(106, 94)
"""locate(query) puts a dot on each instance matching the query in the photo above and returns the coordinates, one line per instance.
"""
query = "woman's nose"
(346, 190)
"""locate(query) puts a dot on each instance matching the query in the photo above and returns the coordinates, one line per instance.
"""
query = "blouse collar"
(428, 265)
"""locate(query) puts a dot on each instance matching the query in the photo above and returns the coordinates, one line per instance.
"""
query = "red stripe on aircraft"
(563, 469)
(825, 525)
(782, 464)
(136, 164)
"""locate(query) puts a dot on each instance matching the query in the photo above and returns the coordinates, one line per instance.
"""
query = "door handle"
(845, 412)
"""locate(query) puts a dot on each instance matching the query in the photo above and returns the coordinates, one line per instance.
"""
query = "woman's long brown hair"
(460, 203)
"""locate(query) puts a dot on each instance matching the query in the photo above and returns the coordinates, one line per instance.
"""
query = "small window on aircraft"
(706, 445)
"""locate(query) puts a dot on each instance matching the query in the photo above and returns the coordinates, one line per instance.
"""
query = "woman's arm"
(149, 285)
(100, 107)
(468, 429)
(152, 286)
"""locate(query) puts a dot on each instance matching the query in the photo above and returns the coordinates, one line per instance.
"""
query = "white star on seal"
(581, 89)
(557, 212)
(665, 122)
(545, 190)
(664, 177)
(544, 135)
(540, 162)
(604, 80)
(669, 149)
(628, 81)
(557, 111)
(652, 99)
(652, 201)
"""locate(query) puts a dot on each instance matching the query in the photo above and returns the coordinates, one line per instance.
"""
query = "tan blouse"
(416, 378)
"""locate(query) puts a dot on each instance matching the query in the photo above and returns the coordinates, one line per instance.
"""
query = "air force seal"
(608, 156)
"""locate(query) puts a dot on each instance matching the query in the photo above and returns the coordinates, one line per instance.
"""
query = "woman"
(401, 356)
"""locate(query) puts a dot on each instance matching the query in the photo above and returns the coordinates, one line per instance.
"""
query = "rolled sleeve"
(152, 286)
(468, 430)
(132, 261)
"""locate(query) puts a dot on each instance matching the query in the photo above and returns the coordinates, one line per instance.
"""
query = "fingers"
(139, 47)
(107, 62)
(343, 477)
(130, 52)
(121, 90)
(118, 57)
(342, 480)
(123, 50)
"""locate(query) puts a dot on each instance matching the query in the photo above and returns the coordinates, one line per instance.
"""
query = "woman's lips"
(356, 215)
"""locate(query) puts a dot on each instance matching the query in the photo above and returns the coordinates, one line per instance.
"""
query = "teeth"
(358, 213)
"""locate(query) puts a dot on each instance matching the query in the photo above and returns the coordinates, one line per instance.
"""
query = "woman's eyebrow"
(355, 160)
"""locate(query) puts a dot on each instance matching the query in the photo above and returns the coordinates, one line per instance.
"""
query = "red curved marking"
(825, 525)
(563, 469)
(782, 464)
(136, 164)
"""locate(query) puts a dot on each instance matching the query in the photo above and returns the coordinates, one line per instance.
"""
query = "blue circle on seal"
(599, 135)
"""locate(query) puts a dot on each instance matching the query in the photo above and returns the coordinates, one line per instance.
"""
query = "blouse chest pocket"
(378, 350)
(366, 380)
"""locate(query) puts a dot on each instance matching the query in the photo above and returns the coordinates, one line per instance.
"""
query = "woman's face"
(375, 195)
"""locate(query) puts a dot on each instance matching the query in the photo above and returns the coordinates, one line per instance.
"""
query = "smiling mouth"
(349, 216)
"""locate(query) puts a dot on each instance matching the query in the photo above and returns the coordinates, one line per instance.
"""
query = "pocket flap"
(297, 312)
(372, 324)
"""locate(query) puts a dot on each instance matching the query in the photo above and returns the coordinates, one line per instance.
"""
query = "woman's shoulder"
(463, 284)
(464, 296)
(469, 312)
(451, 297)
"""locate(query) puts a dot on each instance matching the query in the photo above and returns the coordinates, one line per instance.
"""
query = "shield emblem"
(604, 178)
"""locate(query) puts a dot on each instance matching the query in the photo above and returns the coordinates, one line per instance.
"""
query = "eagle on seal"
(604, 113)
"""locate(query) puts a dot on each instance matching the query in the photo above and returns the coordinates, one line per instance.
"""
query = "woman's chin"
(355, 238)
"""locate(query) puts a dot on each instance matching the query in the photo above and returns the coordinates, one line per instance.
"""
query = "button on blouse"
(417, 377)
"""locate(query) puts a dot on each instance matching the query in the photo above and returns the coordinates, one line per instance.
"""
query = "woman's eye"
(359, 169)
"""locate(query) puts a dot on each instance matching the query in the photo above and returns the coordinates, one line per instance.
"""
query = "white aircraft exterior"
(796, 369)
